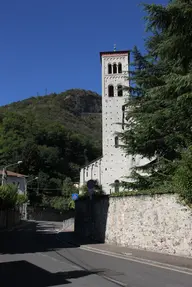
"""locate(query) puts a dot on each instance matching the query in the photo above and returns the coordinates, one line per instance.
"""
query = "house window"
(87, 174)
(114, 68)
(109, 69)
(116, 142)
(119, 68)
(111, 91)
(120, 91)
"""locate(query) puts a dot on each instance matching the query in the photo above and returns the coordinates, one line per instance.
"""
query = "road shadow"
(90, 228)
(23, 273)
(35, 237)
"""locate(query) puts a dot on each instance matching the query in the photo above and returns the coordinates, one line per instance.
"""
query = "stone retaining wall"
(158, 223)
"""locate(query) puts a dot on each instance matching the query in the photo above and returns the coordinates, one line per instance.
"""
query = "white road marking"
(136, 259)
(144, 261)
(106, 252)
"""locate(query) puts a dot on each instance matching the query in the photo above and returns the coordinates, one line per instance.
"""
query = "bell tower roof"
(113, 53)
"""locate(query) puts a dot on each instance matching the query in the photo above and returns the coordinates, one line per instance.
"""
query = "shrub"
(182, 179)
(98, 191)
(8, 196)
(21, 199)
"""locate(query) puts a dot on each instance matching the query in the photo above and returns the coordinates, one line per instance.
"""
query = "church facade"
(114, 165)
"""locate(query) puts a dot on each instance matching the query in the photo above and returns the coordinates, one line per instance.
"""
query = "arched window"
(109, 69)
(111, 91)
(117, 184)
(116, 141)
(120, 91)
(114, 68)
(119, 68)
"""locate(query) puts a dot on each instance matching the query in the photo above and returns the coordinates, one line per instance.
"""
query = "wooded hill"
(53, 135)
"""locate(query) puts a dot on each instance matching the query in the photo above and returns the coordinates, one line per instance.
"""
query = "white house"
(17, 179)
(114, 164)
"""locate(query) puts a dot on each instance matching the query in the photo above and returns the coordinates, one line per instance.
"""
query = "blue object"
(75, 196)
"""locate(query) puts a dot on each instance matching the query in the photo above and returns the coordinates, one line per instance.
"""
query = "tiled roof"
(11, 173)
(114, 53)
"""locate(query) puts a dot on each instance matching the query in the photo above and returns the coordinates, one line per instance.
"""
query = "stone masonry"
(159, 223)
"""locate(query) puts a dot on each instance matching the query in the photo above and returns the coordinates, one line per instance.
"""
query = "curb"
(131, 258)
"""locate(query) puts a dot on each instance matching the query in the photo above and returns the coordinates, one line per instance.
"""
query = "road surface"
(35, 255)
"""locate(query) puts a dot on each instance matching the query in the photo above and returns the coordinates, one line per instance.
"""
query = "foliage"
(8, 196)
(21, 199)
(68, 188)
(83, 190)
(60, 203)
(64, 199)
(50, 135)
(159, 121)
(182, 179)
(150, 192)
(98, 191)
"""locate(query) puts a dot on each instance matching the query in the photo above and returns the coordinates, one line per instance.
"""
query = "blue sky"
(55, 44)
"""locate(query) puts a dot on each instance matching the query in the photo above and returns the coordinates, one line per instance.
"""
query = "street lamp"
(4, 170)
(32, 179)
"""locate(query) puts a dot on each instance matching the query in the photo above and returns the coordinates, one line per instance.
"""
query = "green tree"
(159, 119)
(68, 188)
(47, 149)
(182, 179)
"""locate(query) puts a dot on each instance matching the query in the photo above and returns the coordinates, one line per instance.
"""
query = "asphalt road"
(36, 255)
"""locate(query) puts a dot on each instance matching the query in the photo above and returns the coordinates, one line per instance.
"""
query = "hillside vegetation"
(53, 135)
(77, 110)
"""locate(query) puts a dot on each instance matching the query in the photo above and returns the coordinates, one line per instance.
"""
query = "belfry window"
(116, 142)
(111, 91)
(120, 91)
(109, 69)
(119, 68)
(114, 68)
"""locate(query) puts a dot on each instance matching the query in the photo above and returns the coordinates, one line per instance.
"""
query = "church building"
(114, 165)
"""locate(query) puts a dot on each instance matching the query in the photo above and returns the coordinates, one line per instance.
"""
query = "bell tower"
(115, 66)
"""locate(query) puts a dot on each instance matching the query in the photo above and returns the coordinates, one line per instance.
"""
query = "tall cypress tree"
(159, 117)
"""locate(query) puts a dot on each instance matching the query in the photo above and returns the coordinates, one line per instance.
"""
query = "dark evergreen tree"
(160, 105)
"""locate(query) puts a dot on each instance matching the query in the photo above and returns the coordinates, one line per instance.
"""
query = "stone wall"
(9, 218)
(158, 223)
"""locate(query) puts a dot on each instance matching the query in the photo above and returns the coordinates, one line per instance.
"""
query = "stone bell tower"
(115, 66)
